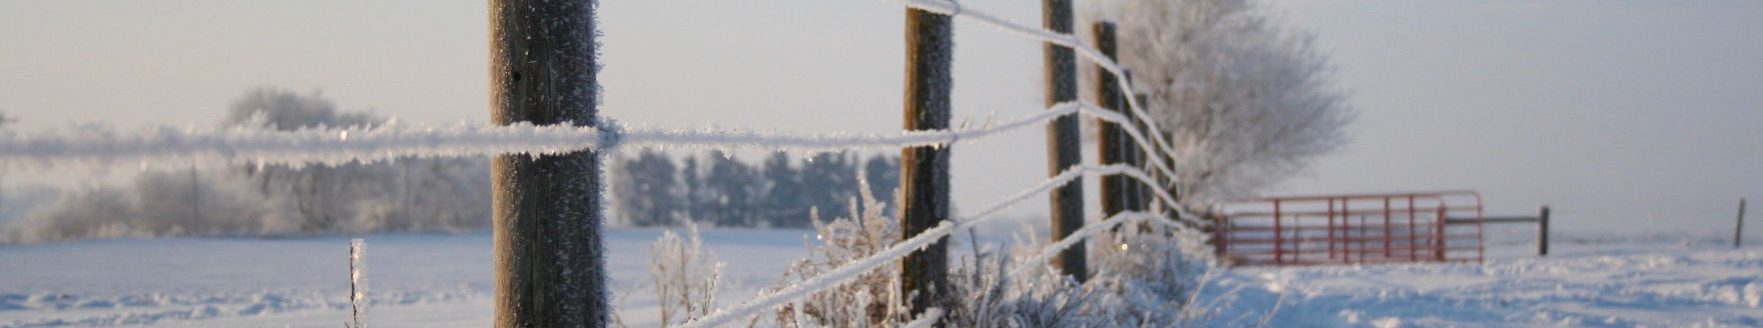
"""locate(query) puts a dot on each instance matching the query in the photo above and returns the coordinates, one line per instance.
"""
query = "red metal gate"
(1345, 229)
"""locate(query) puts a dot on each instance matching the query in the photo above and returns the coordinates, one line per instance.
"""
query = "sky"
(1634, 116)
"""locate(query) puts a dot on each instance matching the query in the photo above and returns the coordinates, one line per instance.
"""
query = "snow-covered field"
(444, 280)
(1659, 285)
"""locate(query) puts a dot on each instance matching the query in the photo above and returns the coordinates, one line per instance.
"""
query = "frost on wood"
(547, 203)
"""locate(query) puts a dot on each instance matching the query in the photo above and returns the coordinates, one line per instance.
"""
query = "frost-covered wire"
(174, 146)
(822, 142)
(1063, 39)
(928, 319)
(1075, 237)
(179, 147)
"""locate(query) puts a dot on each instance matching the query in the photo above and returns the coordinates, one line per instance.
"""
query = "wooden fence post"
(924, 171)
(1738, 233)
(1543, 232)
(1063, 148)
(195, 202)
(1117, 192)
(549, 266)
(1142, 196)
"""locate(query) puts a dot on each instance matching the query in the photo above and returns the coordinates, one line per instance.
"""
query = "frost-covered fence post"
(1063, 149)
(1112, 145)
(1111, 149)
(1543, 231)
(1738, 233)
(195, 202)
(548, 254)
(357, 284)
(1142, 196)
(924, 171)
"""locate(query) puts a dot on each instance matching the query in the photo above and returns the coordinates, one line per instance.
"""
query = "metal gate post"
(1439, 235)
(1412, 242)
(1331, 228)
(1278, 238)
(1386, 228)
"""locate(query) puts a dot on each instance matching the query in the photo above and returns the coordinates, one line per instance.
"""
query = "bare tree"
(1246, 101)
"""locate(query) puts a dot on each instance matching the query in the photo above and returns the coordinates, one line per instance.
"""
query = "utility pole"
(924, 171)
(549, 266)
(1063, 148)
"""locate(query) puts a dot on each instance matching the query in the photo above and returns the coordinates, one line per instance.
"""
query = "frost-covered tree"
(1246, 101)
(785, 199)
(696, 197)
(830, 177)
(447, 195)
(735, 188)
(646, 190)
(284, 110)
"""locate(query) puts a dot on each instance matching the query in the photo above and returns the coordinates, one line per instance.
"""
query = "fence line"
(846, 272)
(338, 146)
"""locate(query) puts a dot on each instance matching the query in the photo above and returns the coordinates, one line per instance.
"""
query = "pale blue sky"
(1624, 115)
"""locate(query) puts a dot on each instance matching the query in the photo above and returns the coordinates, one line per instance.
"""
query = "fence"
(1339, 229)
(1139, 154)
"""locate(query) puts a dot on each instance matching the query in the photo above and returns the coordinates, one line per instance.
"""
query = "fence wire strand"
(168, 146)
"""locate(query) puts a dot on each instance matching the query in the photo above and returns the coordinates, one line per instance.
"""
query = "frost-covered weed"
(685, 275)
(1141, 278)
(991, 297)
(872, 299)
(1145, 278)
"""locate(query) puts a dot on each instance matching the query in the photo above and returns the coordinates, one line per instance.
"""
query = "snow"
(418, 280)
(1647, 283)
(444, 280)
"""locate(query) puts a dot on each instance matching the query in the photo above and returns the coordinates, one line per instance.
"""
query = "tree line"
(422, 194)
(409, 194)
(715, 188)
